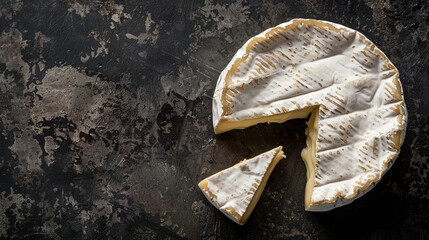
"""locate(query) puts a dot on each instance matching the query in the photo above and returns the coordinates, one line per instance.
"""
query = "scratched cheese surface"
(350, 88)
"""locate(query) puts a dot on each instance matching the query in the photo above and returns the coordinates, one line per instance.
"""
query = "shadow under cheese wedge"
(236, 190)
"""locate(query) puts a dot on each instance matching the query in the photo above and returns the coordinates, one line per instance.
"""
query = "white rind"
(235, 187)
(362, 111)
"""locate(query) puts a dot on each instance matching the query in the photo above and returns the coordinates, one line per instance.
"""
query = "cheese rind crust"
(307, 66)
(236, 190)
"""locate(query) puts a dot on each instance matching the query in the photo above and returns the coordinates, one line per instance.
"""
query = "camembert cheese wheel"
(236, 190)
(350, 88)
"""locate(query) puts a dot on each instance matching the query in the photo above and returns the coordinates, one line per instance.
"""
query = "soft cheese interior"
(308, 155)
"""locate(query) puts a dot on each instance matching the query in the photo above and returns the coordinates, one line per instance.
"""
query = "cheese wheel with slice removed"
(236, 190)
(350, 89)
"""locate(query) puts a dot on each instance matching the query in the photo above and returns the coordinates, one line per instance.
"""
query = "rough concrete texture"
(105, 128)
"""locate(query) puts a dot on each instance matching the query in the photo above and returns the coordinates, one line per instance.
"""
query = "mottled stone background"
(105, 111)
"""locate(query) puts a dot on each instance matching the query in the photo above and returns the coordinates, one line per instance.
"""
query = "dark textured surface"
(106, 127)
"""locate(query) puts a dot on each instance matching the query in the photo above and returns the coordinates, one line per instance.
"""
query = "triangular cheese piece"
(236, 190)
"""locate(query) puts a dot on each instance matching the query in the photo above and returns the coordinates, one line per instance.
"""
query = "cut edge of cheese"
(308, 155)
(215, 188)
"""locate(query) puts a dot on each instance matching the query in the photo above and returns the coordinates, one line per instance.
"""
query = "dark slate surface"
(106, 121)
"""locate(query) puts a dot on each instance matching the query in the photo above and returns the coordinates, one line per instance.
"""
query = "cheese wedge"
(236, 190)
(350, 88)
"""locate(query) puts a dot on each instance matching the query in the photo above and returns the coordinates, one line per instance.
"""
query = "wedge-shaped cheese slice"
(350, 88)
(236, 190)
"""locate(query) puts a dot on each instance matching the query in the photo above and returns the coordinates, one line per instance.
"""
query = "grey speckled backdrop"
(105, 111)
